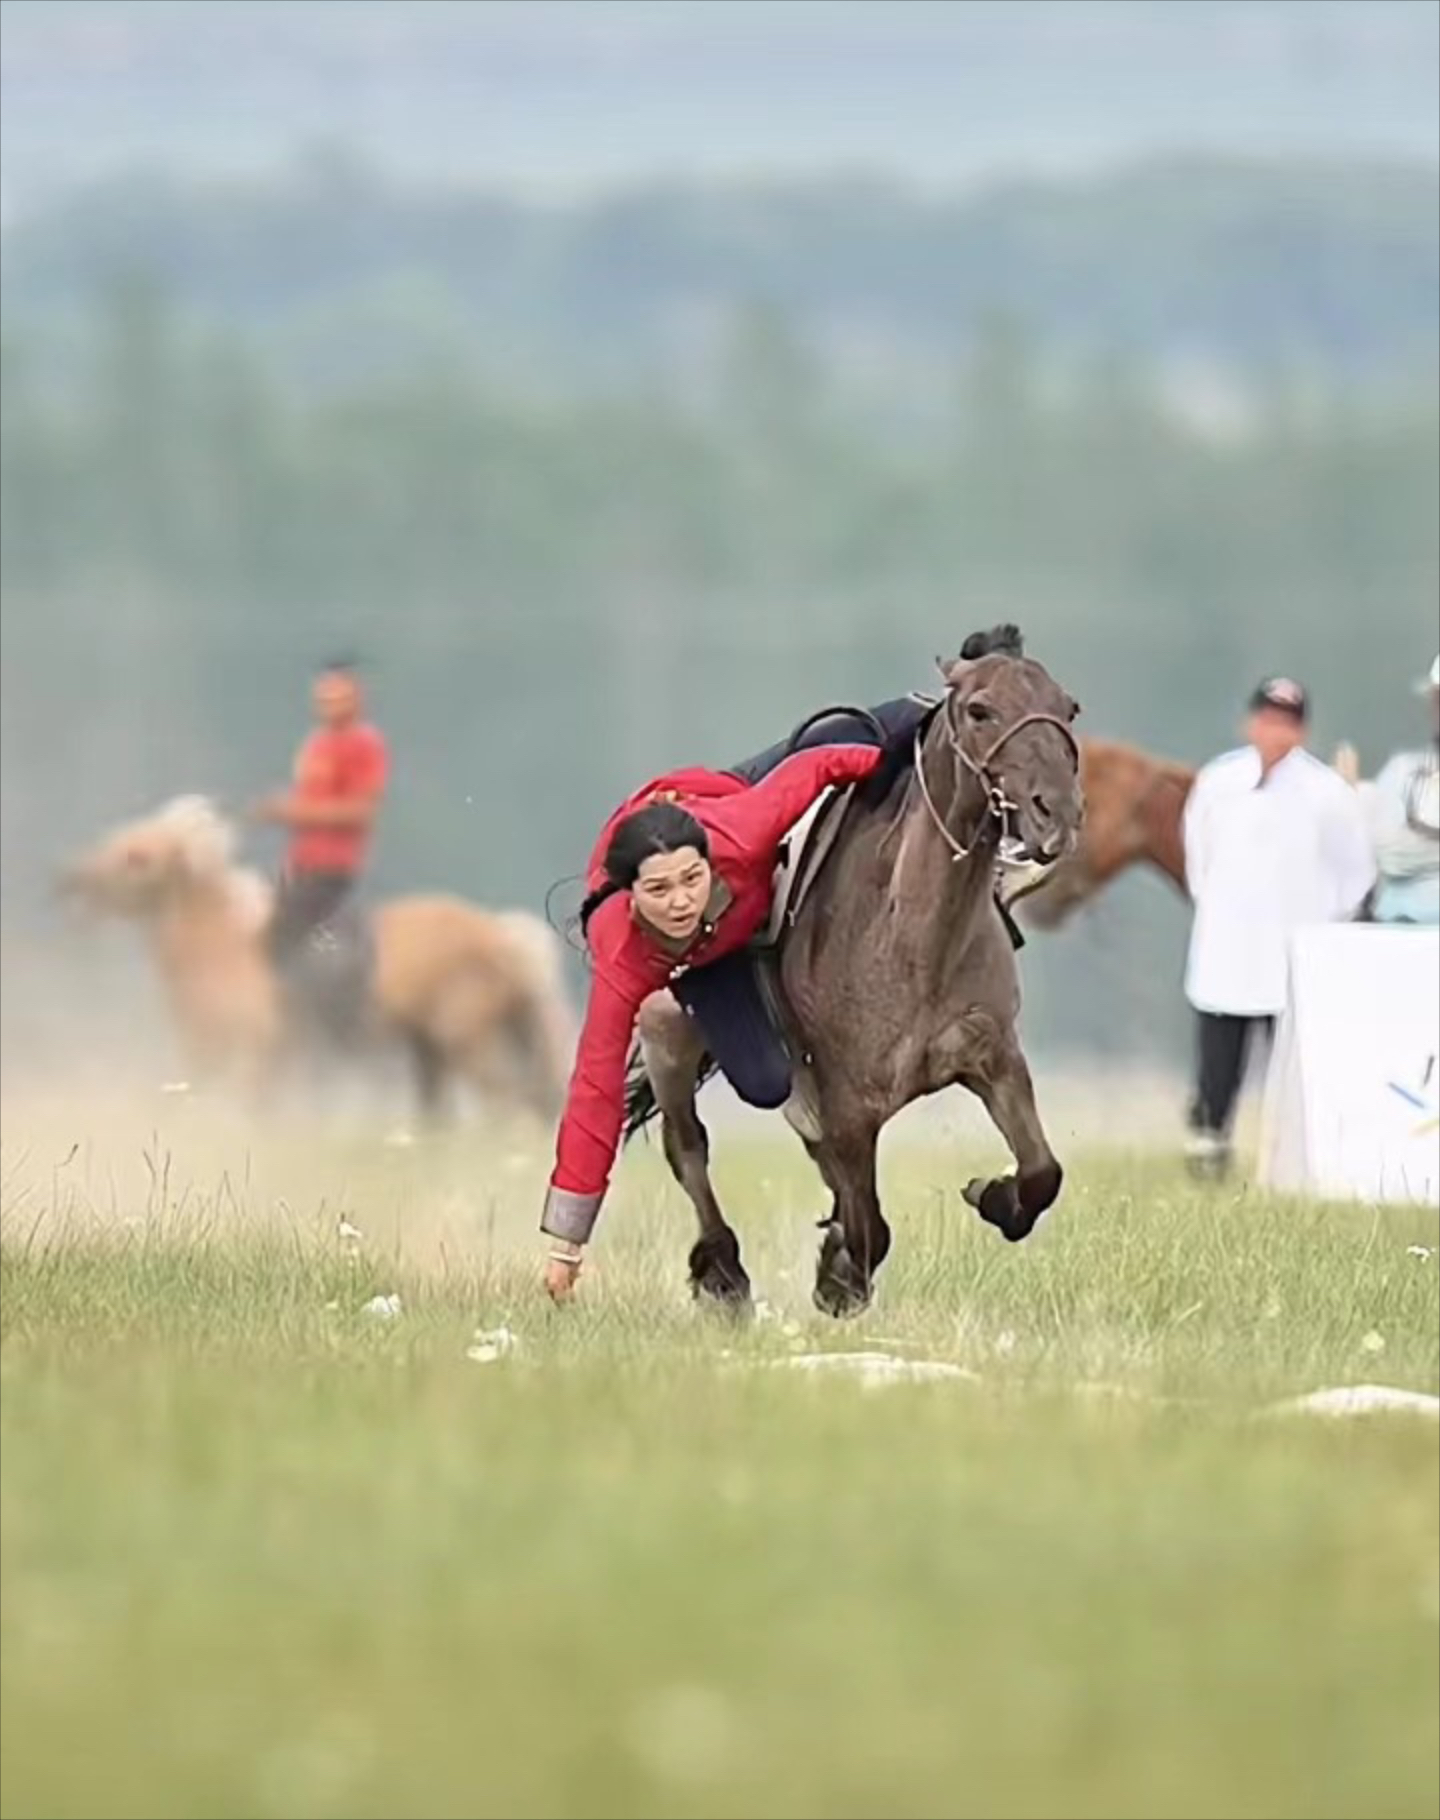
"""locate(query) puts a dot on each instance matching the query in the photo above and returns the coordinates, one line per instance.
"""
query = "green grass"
(266, 1556)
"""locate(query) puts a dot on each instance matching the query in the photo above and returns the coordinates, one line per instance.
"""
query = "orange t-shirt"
(350, 763)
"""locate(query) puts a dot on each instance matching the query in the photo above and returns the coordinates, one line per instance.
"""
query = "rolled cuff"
(570, 1216)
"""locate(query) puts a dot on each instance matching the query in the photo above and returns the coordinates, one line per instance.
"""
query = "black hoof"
(841, 1290)
(717, 1275)
(998, 1203)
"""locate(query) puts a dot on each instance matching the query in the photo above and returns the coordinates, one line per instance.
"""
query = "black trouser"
(726, 1001)
(1223, 1042)
(897, 720)
(303, 902)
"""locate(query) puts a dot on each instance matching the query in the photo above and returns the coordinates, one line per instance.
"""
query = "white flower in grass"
(1373, 1342)
(384, 1308)
(1005, 1342)
(350, 1234)
(1424, 1252)
(492, 1344)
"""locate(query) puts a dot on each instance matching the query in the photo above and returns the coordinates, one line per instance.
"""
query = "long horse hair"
(641, 1106)
(999, 641)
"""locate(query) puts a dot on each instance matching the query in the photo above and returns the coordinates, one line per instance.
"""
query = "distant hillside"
(585, 93)
(1248, 266)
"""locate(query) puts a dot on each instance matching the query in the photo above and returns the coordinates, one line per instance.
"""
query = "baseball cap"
(1282, 694)
(1424, 684)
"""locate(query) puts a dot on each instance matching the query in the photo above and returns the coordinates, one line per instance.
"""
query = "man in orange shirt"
(329, 811)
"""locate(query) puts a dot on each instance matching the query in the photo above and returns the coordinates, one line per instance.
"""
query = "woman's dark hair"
(657, 828)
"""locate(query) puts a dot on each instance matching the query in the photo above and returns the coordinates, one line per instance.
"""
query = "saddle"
(810, 843)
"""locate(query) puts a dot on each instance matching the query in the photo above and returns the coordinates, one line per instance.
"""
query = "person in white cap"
(1274, 841)
(1403, 811)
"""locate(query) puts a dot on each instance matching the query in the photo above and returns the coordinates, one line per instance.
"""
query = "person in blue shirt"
(1403, 813)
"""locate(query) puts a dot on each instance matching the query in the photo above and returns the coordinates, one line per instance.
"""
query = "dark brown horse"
(899, 976)
(1134, 811)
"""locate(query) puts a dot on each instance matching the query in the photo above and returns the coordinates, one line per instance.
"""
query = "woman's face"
(671, 891)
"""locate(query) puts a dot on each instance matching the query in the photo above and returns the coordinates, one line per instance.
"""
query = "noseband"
(998, 806)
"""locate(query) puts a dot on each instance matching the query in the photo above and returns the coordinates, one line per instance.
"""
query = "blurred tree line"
(342, 269)
(558, 596)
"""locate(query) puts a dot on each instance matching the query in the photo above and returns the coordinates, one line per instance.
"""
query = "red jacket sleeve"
(764, 814)
(594, 1113)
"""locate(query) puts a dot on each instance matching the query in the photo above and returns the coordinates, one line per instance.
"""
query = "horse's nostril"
(1041, 806)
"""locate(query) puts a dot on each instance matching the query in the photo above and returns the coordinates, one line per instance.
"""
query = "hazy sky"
(576, 93)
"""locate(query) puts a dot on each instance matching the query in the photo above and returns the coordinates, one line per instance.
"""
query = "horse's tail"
(641, 1105)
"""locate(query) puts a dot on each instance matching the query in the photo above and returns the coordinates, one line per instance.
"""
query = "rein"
(998, 806)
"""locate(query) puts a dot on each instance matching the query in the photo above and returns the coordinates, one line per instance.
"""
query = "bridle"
(998, 806)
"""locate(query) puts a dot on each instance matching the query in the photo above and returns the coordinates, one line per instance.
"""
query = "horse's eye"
(978, 712)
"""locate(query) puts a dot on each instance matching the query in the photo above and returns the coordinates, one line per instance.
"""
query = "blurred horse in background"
(1134, 814)
(473, 996)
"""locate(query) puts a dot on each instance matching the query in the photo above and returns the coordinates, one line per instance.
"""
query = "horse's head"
(1008, 722)
(140, 867)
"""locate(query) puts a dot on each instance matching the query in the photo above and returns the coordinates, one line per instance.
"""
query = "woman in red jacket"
(678, 885)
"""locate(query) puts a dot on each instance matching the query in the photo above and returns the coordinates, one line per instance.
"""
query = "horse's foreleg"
(856, 1237)
(673, 1051)
(1015, 1202)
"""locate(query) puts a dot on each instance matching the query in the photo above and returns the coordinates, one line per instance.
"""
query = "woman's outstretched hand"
(562, 1269)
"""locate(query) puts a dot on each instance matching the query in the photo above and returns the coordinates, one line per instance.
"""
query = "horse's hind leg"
(1015, 1202)
(673, 1052)
(429, 1073)
(857, 1237)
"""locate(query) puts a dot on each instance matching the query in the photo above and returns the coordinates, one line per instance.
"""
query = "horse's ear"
(953, 669)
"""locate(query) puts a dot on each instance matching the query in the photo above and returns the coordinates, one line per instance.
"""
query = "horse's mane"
(205, 839)
(999, 641)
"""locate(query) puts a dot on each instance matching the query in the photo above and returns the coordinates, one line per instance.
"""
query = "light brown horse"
(1134, 810)
(474, 995)
(899, 978)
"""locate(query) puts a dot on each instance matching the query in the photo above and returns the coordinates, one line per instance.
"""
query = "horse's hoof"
(718, 1277)
(998, 1203)
(840, 1291)
(841, 1300)
(722, 1294)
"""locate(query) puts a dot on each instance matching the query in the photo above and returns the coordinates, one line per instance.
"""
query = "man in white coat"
(1274, 841)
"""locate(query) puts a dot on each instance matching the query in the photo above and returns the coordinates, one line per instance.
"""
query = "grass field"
(265, 1554)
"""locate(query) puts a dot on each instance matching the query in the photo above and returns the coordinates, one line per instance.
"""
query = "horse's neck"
(957, 891)
(1162, 820)
(203, 926)
(931, 901)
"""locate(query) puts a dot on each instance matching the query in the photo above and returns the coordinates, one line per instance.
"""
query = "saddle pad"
(801, 854)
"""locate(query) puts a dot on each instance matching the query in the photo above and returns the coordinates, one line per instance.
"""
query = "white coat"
(1265, 856)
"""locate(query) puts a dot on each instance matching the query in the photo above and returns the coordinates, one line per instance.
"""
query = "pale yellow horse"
(474, 995)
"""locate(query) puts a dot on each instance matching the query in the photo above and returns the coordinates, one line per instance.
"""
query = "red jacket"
(346, 762)
(745, 824)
